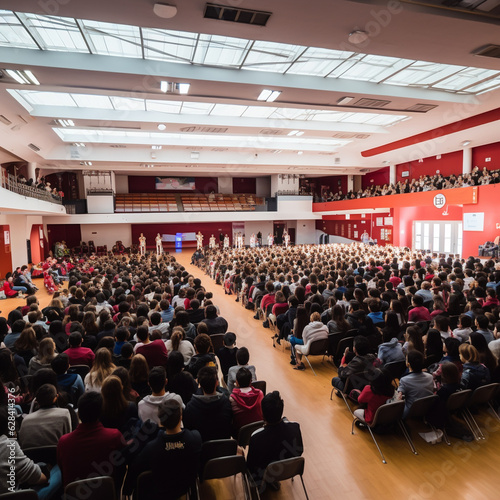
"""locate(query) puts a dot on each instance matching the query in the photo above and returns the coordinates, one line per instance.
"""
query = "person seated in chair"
(277, 440)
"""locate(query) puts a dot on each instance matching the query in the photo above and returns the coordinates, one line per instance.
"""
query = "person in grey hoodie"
(390, 350)
(148, 407)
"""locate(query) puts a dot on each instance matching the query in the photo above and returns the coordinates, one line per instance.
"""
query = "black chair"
(333, 342)
(395, 369)
(81, 370)
(457, 403)
(315, 348)
(101, 488)
(386, 415)
(217, 341)
(419, 410)
(481, 396)
(217, 448)
(343, 344)
(143, 487)
(286, 469)
(46, 454)
(222, 467)
(260, 384)
(20, 495)
(246, 432)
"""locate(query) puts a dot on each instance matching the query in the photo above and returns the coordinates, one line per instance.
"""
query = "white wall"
(225, 185)
(121, 184)
(100, 204)
(107, 234)
(286, 183)
(305, 232)
(265, 227)
(263, 187)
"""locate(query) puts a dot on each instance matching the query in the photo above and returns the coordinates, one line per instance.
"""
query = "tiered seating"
(146, 202)
(219, 202)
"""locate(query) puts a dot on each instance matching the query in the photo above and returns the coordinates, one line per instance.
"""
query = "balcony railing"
(11, 183)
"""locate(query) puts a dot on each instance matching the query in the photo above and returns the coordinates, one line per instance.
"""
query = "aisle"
(341, 465)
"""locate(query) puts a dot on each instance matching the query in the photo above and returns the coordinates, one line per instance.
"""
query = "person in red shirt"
(419, 312)
(374, 395)
(91, 449)
(77, 354)
(155, 352)
(245, 400)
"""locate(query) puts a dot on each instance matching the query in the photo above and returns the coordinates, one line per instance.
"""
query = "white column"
(31, 168)
(392, 174)
(350, 183)
(467, 161)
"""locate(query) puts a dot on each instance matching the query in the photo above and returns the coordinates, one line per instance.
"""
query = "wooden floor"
(338, 464)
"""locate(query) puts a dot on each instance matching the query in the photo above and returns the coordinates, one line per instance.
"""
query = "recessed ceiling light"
(65, 123)
(358, 36)
(269, 95)
(174, 87)
(156, 147)
(25, 77)
(293, 132)
(164, 10)
(161, 126)
(300, 152)
(344, 100)
(298, 134)
(183, 88)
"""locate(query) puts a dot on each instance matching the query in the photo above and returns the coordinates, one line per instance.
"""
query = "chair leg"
(347, 403)
(376, 444)
(406, 434)
(493, 410)
(304, 486)
(446, 438)
(331, 393)
(465, 415)
(309, 363)
(352, 426)
(472, 420)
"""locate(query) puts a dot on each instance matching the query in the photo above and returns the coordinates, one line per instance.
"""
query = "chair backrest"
(422, 406)
(218, 468)
(143, 487)
(246, 432)
(47, 454)
(333, 342)
(388, 413)
(82, 370)
(217, 341)
(218, 448)
(395, 368)
(101, 487)
(484, 393)
(284, 469)
(20, 495)
(318, 347)
(260, 384)
(345, 342)
(458, 400)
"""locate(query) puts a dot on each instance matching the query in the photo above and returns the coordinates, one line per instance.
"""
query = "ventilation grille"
(421, 108)
(242, 16)
(118, 146)
(34, 148)
(337, 161)
(5, 120)
(271, 131)
(350, 135)
(207, 130)
(488, 51)
(371, 103)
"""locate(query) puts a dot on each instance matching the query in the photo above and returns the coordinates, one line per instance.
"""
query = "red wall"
(377, 178)
(480, 154)
(137, 184)
(244, 185)
(5, 253)
(207, 229)
(334, 182)
(37, 244)
(449, 163)
(70, 233)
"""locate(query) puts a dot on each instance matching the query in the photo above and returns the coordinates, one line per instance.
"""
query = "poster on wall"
(6, 237)
(175, 184)
(474, 221)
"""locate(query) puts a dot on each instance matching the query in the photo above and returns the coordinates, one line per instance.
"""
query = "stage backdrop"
(175, 184)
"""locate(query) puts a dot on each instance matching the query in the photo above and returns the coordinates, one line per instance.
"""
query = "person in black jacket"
(277, 440)
(210, 413)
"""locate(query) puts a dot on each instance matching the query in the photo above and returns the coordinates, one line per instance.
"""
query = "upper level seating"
(161, 202)
(219, 202)
(146, 202)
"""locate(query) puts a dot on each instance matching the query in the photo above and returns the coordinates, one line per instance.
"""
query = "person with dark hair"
(417, 384)
(91, 449)
(433, 347)
(482, 323)
(245, 400)
(45, 426)
(277, 440)
(172, 457)
(361, 362)
(374, 395)
(419, 312)
(155, 352)
(179, 381)
(463, 330)
(210, 413)
(227, 354)
(16, 329)
(216, 324)
(117, 410)
(148, 407)
(157, 324)
(242, 359)
(204, 354)
(77, 354)
(69, 383)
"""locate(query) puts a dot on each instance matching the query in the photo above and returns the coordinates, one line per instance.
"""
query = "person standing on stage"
(159, 245)
(270, 240)
(142, 244)
(199, 241)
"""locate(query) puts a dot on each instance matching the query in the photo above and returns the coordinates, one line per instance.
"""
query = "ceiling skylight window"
(92, 101)
(269, 95)
(33, 31)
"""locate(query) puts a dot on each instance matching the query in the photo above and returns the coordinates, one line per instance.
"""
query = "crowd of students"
(119, 372)
(477, 177)
(439, 317)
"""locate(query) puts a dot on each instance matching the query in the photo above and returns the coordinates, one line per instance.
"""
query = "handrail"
(11, 183)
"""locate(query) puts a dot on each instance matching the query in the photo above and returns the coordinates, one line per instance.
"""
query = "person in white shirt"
(270, 240)
(142, 244)
(211, 241)
(159, 245)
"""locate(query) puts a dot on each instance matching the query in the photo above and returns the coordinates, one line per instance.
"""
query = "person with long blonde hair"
(46, 353)
(102, 368)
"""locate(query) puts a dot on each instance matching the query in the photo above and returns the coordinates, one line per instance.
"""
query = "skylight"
(32, 31)
(30, 99)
